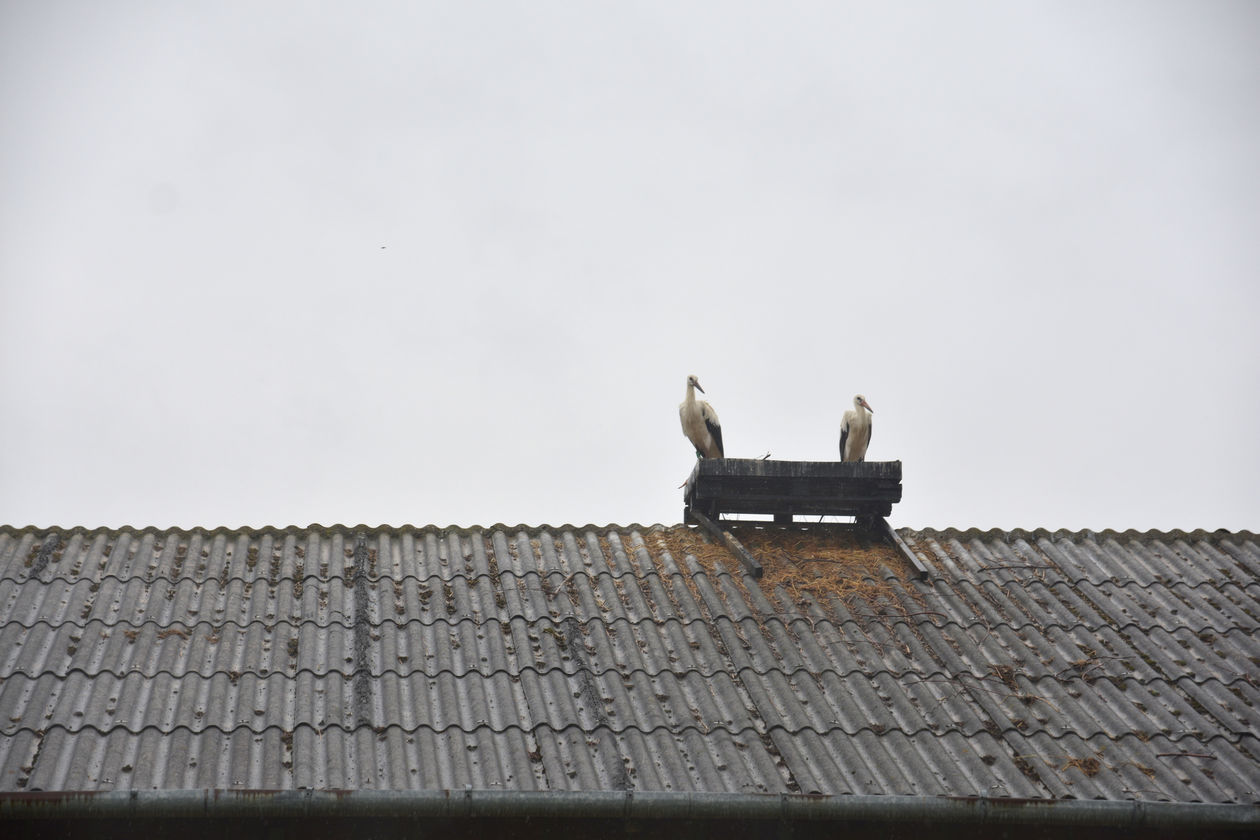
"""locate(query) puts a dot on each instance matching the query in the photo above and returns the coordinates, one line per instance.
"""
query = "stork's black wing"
(716, 432)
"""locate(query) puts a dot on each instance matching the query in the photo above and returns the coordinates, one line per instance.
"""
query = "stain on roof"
(1029, 664)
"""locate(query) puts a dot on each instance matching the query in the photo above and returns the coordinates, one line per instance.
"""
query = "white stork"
(700, 422)
(855, 430)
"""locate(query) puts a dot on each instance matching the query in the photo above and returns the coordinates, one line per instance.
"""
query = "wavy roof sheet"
(1034, 665)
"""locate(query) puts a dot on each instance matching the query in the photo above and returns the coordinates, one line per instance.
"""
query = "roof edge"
(969, 533)
(225, 804)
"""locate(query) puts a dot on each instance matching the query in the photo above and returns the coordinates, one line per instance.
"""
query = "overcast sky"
(273, 263)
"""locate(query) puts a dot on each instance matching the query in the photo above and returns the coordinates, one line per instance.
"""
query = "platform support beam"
(734, 546)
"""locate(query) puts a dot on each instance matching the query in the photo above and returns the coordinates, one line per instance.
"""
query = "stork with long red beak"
(855, 430)
(700, 422)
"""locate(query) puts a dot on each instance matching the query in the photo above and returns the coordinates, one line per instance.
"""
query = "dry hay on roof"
(814, 563)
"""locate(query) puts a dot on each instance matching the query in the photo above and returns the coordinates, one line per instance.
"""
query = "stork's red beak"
(868, 406)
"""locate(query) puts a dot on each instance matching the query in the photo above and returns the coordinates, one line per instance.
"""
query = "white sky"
(271, 263)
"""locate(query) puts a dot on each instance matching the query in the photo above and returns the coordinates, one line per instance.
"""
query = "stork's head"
(694, 381)
(860, 402)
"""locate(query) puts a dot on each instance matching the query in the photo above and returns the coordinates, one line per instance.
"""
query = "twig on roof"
(1015, 566)
(900, 615)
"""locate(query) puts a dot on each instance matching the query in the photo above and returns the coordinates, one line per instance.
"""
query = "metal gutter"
(452, 804)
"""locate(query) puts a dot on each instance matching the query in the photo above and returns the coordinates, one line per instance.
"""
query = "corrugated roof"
(1035, 665)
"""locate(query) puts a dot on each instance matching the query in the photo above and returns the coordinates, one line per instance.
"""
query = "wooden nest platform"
(785, 489)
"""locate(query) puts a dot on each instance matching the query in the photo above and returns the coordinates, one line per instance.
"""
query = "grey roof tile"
(1030, 664)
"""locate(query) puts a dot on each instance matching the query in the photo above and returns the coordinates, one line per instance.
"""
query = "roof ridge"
(1081, 533)
(340, 527)
(336, 527)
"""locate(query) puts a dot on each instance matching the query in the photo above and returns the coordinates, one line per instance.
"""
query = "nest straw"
(818, 563)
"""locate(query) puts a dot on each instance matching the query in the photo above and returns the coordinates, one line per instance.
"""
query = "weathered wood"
(793, 488)
(799, 508)
(733, 545)
(765, 468)
(905, 550)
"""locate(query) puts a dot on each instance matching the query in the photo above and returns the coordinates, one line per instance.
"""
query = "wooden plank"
(847, 497)
(733, 545)
(873, 509)
(906, 551)
(787, 488)
(757, 468)
(729, 500)
(718, 486)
